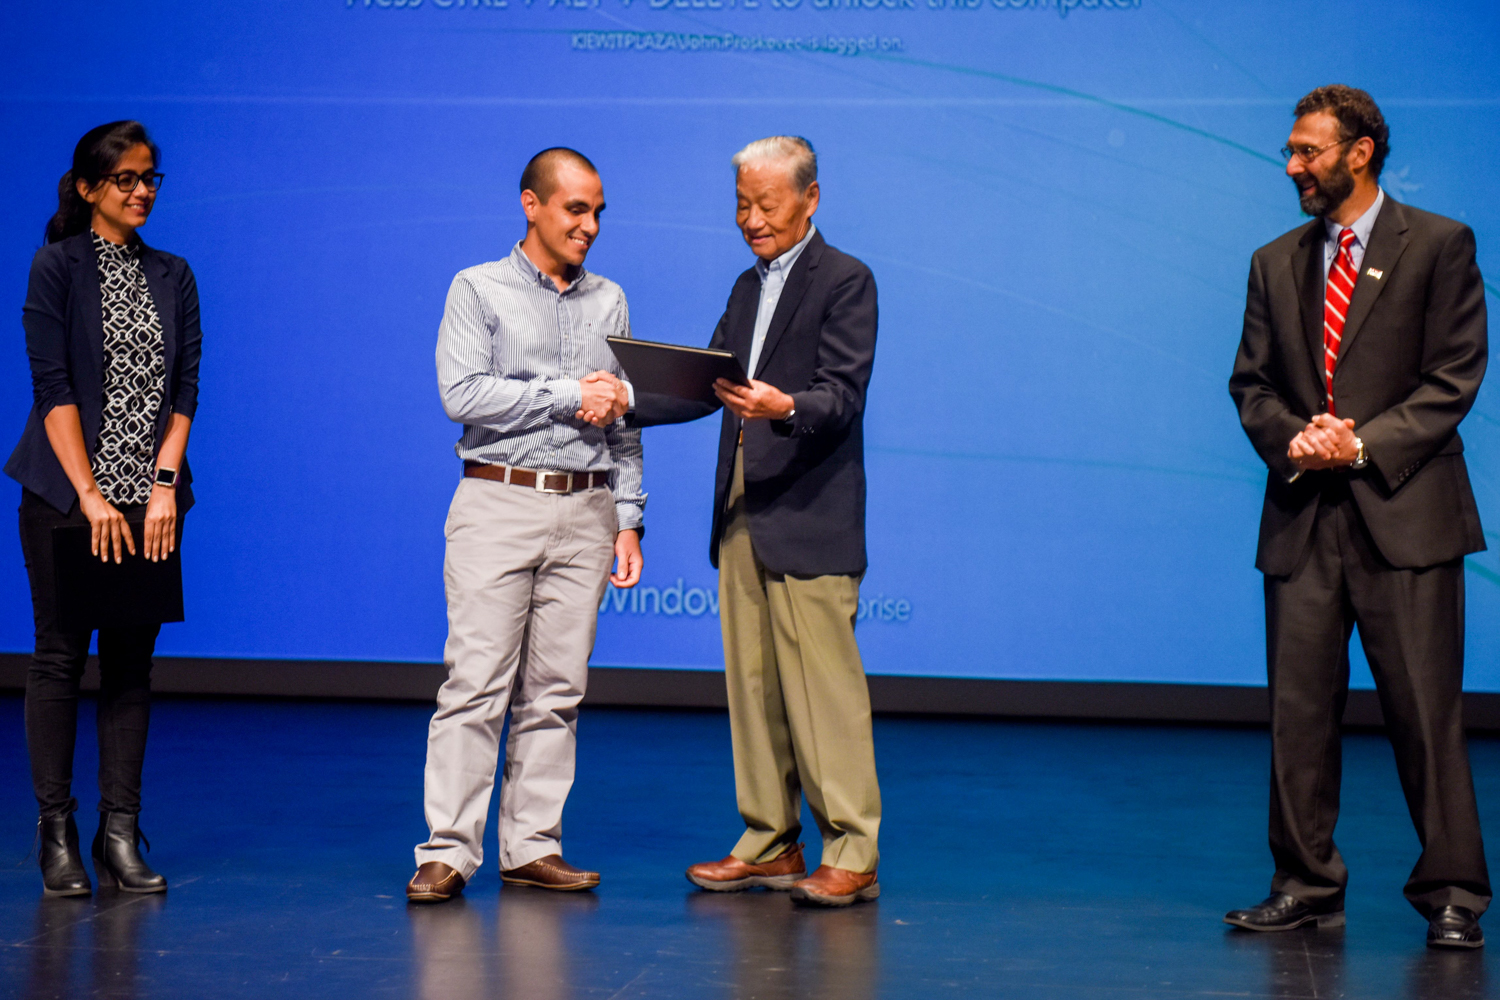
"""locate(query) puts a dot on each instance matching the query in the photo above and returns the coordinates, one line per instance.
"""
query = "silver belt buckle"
(541, 481)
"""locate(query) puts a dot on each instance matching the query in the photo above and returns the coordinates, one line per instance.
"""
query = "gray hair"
(795, 151)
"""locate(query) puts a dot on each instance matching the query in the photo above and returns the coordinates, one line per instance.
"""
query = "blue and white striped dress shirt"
(510, 352)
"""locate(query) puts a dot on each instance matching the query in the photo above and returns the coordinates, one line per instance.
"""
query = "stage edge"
(650, 688)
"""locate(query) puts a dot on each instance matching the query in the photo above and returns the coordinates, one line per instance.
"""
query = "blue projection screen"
(1058, 198)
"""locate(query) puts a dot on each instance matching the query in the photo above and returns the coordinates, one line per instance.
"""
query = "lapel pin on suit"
(1375, 273)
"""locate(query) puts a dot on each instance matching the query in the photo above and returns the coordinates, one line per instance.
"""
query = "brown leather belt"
(541, 480)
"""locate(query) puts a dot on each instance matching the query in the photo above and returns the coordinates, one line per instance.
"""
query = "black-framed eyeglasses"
(1309, 153)
(128, 180)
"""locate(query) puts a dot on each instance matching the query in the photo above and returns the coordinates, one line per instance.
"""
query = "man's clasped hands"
(1326, 443)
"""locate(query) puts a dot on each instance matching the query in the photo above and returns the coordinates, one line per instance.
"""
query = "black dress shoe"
(117, 861)
(1454, 927)
(63, 873)
(1283, 913)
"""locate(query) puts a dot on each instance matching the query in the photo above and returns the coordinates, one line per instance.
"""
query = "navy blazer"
(64, 321)
(804, 477)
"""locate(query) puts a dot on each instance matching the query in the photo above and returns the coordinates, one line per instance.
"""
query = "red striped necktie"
(1341, 279)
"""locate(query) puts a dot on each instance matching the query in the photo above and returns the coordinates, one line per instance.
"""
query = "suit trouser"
(1411, 624)
(524, 574)
(799, 705)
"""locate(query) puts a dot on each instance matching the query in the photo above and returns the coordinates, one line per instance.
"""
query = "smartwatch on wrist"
(166, 477)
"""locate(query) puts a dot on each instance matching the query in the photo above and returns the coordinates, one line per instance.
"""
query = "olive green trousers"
(799, 705)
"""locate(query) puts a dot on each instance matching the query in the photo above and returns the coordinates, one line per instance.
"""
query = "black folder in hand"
(95, 594)
(674, 370)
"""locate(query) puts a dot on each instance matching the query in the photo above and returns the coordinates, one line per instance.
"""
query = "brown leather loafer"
(835, 887)
(551, 872)
(733, 875)
(434, 882)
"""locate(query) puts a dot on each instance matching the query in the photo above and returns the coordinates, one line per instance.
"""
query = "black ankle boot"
(63, 873)
(116, 860)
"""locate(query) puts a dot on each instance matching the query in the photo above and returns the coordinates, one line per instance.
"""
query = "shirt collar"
(115, 251)
(784, 263)
(1362, 225)
(534, 274)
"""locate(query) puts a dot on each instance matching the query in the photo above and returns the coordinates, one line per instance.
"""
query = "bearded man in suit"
(1364, 345)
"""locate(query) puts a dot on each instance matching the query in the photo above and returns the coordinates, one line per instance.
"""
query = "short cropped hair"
(1358, 116)
(794, 150)
(540, 175)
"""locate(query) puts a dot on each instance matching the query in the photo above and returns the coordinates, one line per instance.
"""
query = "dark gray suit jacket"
(1413, 352)
(804, 477)
(64, 321)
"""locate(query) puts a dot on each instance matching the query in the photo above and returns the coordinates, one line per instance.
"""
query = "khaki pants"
(799, 706)
(524, 574)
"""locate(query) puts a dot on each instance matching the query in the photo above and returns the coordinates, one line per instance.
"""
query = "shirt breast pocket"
(596, 353)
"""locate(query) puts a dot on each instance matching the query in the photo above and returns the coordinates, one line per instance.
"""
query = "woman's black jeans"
(57, 667)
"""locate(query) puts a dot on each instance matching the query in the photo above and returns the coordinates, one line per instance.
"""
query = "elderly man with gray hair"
(788, 539)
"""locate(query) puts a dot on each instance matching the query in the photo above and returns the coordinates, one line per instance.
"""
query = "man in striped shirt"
(550, 501)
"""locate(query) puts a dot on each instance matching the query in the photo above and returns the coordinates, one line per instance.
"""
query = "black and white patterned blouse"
(135, 376)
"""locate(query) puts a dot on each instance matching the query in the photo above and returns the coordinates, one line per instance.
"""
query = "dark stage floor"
(1021, 860)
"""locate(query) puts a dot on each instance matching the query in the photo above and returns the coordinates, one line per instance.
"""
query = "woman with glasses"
(112, 336)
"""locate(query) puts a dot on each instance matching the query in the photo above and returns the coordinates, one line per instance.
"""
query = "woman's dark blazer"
(64, 321)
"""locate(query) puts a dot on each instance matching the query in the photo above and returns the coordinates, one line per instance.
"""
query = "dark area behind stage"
(1021, 859)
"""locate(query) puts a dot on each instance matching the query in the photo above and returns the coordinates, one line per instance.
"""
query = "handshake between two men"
(605, 399)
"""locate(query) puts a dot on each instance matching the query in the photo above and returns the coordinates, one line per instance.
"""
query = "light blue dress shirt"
(1361, 227)
(772, 281)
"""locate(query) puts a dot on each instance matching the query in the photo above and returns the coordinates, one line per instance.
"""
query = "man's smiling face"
(1323, 182)
(567, 223)
(772, 214)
